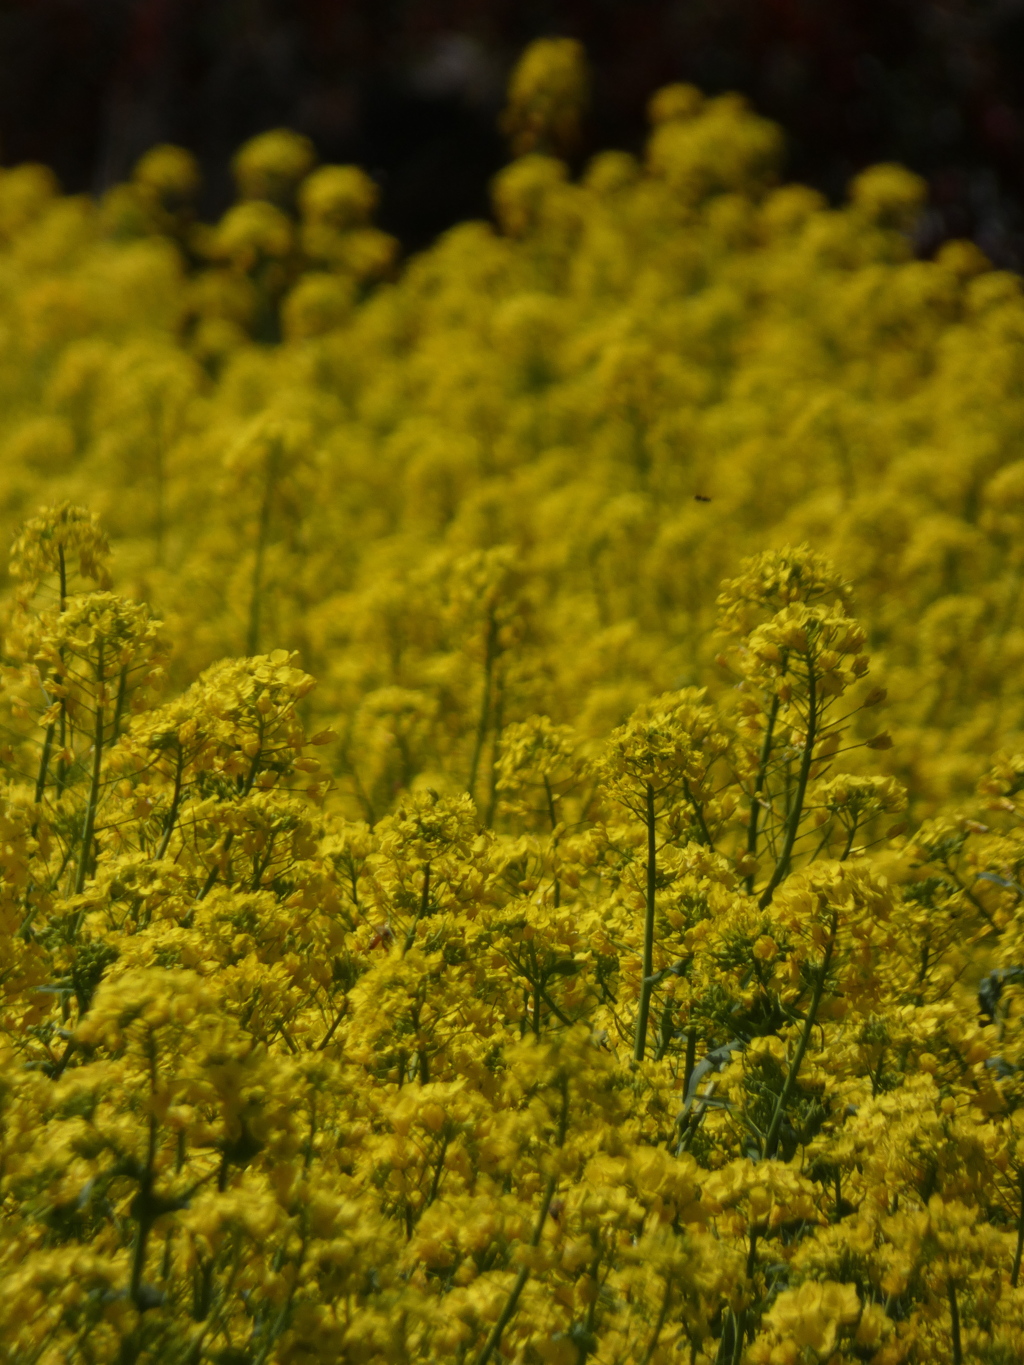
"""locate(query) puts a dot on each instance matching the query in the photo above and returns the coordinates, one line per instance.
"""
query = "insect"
(701, 497)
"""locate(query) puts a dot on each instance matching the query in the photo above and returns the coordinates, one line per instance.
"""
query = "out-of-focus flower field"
(512, 835)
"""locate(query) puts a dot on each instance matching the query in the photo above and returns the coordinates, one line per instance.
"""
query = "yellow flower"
(812, 1315)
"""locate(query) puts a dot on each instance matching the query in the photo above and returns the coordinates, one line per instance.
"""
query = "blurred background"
(411, 90)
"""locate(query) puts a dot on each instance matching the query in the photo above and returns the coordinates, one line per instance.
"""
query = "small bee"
(700, 497)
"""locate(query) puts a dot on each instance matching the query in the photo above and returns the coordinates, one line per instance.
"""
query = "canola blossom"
(512, 816)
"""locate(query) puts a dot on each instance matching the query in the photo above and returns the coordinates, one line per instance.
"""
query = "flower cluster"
(523, 945)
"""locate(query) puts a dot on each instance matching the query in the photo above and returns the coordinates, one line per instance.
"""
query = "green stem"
(94, 786)
(740, 1318)
(876, 1075)
(512, 1302)
(25, 929)
(62, 740)
(771, 1141)
(246, 788)
(333, 1028)
(922, 974)
(698, 815)
(759, 781)
(647, 970)
(172, 814)
(146, 1213)
(1015, 1276)
(751, 1254)
(553, 817)
(62, 767)
(662, 1315)
(559, 1014)
(122, 692)
(954, 1319)
(851, 835)
(145, 1219)
(494, 1340)
(678, 1135)
(202, 1293)
(585, 1348)
(664, 1033)
(410, 937)
(435, 1184)
(691, 1057)
(724, 1353)
(44, 763)
(796, 809)
(214, 872)
(499, 725)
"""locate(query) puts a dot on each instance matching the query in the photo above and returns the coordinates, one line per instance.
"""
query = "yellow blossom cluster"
(441, 920)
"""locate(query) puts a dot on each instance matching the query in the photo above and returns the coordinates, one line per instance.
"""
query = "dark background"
(411, 90)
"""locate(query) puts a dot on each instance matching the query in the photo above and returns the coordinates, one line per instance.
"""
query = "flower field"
(513, 798)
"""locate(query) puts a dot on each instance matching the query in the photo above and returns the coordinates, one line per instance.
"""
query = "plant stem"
(44, 763)
(691, 1057)
(553, 817)
(698, 815)
(512, 1301)
(62, 767)
(145, 1204)
(759, 781)
(1015, 1277)
(172, 814)
(664, 1033)
(876, 1075)
(647, 970)
(122, 692)
(771, 1142)
(494, 1340)
(740, 1318)
(724, 1353)
(954, 1319)
(410, 937)
(214, 872)
(499, 725)
(797, 807)
(145, 1216)
(662, 1315)
(94, 786)
(246, 788)
(331, 1031)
